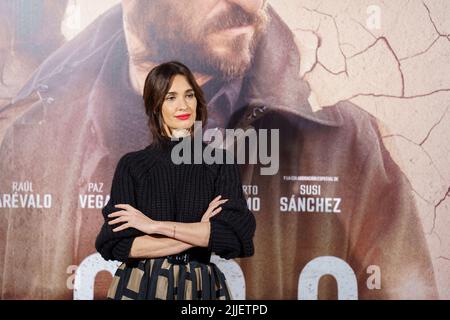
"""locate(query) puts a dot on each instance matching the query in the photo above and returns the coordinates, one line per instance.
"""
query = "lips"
(183, 116)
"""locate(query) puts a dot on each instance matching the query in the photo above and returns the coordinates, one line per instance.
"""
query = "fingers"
(120, 219)
(122, 227)
(125, 207)
(213, 207)
(118, 214)
(216, 199)
(217, 203)
(216, 211)
(129, 216)
(210, 213)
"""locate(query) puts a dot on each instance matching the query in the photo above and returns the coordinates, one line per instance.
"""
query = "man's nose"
(250, 6)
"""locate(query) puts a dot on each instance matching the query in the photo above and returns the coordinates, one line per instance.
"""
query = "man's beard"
(174, 37)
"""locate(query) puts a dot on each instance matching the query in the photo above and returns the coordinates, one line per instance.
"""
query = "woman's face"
(179, 106)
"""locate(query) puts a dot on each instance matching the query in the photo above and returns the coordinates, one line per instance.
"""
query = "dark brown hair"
(157, 84)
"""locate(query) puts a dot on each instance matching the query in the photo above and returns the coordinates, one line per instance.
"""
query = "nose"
(183, 105)
(250, 6)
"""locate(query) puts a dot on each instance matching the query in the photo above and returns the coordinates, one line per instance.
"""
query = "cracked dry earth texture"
(391, 58)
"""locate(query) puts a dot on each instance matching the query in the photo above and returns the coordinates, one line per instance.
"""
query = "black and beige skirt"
(159, 279)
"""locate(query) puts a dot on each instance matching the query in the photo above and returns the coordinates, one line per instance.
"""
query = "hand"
(212, 208)
(132, 218)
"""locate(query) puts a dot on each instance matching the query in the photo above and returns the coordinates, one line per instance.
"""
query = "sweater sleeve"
(232, 229)
(117, 245)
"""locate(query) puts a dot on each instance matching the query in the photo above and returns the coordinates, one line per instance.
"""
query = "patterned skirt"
(161, 280)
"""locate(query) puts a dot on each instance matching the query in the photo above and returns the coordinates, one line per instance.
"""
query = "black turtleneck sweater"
(149, 181)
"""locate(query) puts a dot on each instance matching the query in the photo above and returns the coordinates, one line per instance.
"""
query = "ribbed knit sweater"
(149, 181)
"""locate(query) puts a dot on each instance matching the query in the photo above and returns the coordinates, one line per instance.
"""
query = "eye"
(170, 98)
(190, 95)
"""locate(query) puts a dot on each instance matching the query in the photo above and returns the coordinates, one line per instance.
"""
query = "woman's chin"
(179, 133)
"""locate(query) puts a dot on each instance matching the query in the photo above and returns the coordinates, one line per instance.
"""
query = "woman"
(164, 220)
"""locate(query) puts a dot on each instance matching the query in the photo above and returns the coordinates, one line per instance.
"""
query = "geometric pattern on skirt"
(157, 278)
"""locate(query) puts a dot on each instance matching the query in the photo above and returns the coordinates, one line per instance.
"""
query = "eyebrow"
(173, 92)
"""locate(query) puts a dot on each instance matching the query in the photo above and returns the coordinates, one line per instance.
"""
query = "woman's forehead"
(180, 84)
